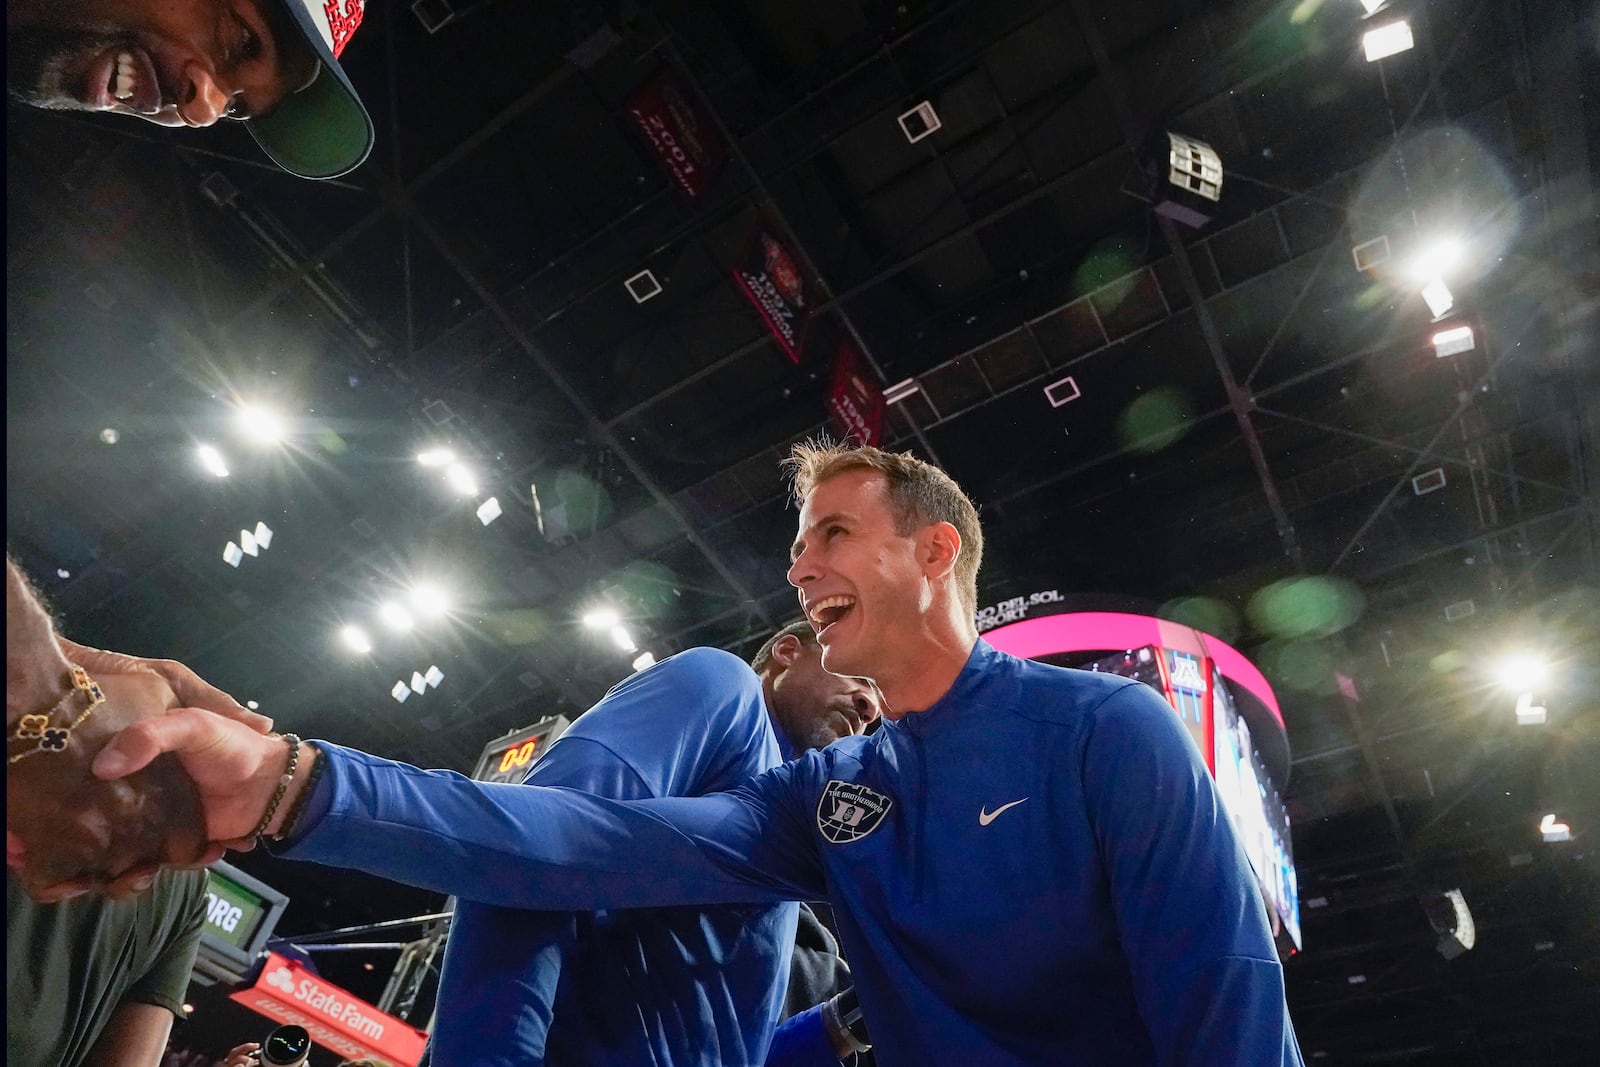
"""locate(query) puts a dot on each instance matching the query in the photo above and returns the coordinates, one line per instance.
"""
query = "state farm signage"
(686, 143)
(288, 993)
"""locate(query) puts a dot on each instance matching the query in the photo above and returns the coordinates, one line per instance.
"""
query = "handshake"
(159, 769)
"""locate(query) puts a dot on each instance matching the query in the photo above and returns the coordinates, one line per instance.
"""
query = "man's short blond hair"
(920, 494)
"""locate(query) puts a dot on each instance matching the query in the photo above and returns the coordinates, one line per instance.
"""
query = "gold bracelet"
(283, 785)
(36, 727)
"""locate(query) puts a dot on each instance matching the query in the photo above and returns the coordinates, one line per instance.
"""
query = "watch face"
(286, 1045)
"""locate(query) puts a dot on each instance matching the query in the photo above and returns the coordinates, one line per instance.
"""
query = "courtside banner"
(678, 133)
(855, 396)
(769, 275)
(288, 993)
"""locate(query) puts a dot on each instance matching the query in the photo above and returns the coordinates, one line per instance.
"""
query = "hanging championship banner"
(855, 397)
(769, 274)
(287, 992)
(678, 133)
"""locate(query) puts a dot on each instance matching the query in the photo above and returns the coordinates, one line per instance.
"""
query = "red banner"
(855, 396)
(679, 135)
(770, 276)
(287, 992)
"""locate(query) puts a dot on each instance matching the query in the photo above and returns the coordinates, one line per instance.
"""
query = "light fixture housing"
(1387, 40)
(1453, 340)
(1436, 294)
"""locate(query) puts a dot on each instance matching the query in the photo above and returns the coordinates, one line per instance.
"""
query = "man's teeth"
(822, 611)
(124, 89)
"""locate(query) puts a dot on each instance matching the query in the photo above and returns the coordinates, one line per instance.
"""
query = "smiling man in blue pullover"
(1029, 865)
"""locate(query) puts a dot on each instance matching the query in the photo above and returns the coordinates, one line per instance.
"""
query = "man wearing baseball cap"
(272, 64)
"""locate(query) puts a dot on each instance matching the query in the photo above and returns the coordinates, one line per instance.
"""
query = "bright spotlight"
(400, 692)
(1521, 672)
(436, 457)
(1436, 294)
(1436, 260)
(429, 599)
(260, 424)
(643, 660)
(212, 461)
(232, 554)
(355, 638)
(623, 639)
(263, 535)
(1554, 831)
(433, 676)
(395, 617)
(461, 479)
(1455, 340)
(601, 619)
(1388, 40)
(110, 436)
(489, 510)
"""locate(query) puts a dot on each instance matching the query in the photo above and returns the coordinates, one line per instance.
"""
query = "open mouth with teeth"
(829, 610)
(126, 78)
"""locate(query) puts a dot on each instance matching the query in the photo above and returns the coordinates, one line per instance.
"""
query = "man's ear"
(786, 650)
(940, 545)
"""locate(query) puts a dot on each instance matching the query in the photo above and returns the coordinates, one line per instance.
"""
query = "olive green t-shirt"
(69, 965)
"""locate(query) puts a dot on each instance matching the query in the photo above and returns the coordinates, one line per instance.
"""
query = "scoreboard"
(508, 758)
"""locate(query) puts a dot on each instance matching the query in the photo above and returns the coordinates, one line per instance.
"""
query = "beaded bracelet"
(298, 808)
(283, 785)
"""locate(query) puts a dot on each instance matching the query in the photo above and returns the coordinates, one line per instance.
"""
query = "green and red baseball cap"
(323, 130)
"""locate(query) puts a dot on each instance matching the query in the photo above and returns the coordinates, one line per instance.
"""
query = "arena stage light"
(461, 479)
(355, 639)
(429, 599)
(261, 425)
(1521, 672)
(601, 619)
(212, 461)
(395, 617)
(436, 457)
(623, 639)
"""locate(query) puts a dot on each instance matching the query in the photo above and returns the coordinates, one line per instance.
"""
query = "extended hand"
(192, 690)
(69, 832)
(235, 769)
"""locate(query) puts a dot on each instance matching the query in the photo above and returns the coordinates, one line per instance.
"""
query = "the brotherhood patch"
(848, 812)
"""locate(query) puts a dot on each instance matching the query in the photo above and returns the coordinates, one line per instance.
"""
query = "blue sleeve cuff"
(802, 1041)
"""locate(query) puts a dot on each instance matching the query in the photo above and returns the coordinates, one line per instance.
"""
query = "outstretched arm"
(517, 846)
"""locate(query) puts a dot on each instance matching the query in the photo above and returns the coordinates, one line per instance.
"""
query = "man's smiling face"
(859, 580)
(173, 62)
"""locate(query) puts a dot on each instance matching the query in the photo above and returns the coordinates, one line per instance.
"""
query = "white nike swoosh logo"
(985, 816)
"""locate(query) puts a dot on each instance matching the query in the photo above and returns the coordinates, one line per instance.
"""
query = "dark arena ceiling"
(1247, 406)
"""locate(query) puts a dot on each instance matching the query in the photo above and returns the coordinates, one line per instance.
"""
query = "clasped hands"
(74, 825)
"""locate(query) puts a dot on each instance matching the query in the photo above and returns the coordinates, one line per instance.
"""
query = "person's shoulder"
(1065, 695)
(710, 664)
